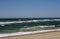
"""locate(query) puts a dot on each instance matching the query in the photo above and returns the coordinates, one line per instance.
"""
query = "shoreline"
(26, 33)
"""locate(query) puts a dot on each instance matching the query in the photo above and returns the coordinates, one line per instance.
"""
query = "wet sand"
(48, 35)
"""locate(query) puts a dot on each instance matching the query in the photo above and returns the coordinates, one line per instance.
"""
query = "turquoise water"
(28, 26)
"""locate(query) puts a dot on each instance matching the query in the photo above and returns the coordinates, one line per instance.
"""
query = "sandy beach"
(48, 35)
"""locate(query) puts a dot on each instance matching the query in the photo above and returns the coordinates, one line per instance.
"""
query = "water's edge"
(25, 33)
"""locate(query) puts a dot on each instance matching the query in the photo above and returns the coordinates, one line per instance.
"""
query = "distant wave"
(11, 22)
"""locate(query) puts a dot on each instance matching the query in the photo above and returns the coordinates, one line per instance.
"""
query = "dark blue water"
(17, 26)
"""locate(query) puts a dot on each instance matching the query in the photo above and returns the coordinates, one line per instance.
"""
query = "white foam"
(57, 19)
(24, 33)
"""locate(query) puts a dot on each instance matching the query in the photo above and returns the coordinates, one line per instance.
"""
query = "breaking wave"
(11, 22)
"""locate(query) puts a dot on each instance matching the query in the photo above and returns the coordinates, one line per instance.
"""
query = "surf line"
(26, 33)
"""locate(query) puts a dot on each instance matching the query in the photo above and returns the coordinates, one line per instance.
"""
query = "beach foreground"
(48, 35)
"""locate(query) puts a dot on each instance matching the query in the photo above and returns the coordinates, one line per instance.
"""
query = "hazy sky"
(29, 8)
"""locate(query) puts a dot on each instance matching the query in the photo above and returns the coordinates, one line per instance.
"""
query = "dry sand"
(49, 35)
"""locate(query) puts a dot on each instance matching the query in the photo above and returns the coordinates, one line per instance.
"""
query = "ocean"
(9, 25)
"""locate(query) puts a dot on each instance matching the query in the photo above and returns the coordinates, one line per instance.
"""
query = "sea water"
(9, 25)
